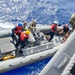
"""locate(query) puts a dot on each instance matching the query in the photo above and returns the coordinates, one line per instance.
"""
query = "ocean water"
(32, 69)
(44, 12)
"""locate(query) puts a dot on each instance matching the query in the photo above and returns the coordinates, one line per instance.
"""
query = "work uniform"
(16, 31)
(24, 39)
(52, 31)
(65, 30)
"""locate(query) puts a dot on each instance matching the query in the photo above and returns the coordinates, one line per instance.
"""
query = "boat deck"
(6, 45)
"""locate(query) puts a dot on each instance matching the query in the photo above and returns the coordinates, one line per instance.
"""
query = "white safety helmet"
(25, 21)
(56, 22)
(34, 20)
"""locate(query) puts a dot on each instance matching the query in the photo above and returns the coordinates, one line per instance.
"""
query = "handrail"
(69, 66)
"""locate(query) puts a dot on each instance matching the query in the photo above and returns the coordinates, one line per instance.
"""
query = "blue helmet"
(20, 24)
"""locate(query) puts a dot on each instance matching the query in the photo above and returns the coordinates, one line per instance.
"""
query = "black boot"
(16, 45)
(20, 51)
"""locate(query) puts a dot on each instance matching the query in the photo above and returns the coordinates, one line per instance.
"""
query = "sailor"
(24, 27)
(32, 26)
(16, 31)
(23, 39)
(65, 31)
(52, 30)
(33, 30)
(72, 21)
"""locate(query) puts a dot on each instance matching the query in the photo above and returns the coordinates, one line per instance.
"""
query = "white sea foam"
(6, 25)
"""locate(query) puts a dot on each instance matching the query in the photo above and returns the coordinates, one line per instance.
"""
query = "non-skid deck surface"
(6, 44)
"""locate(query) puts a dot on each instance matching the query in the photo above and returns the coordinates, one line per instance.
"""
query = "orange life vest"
(18, 30)
(54, 27)
(23, 36)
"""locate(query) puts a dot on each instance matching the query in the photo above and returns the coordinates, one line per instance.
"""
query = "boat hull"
(11, 64)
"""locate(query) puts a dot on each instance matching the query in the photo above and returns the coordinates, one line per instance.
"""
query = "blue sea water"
(32, 69)
(44, 12)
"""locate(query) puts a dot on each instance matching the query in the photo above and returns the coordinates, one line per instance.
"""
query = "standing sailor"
(52, 30)
(24, 27)
(16, 31)
(32, 26)
(23, 39)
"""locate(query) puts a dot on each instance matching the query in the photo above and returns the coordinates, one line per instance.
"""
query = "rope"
(69, 66)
